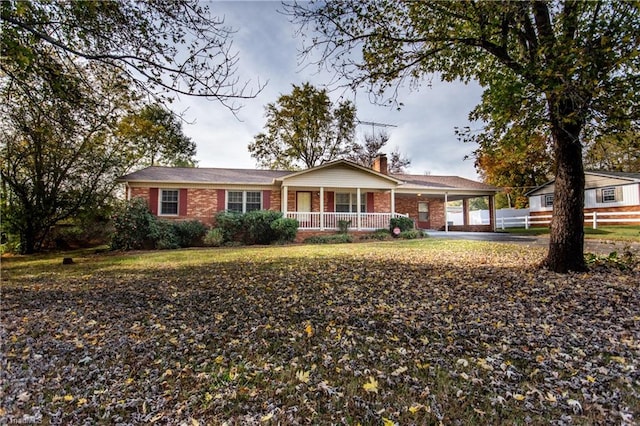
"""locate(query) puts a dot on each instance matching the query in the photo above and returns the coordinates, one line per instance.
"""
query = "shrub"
(378, 234)
(343, 226)
(231, 225)
(403, 223)
(285, 229)
(329, 239)
(214, 238)
(189, 233)
(132, 224)
(257, 226)
(163, 235)
(411, 235)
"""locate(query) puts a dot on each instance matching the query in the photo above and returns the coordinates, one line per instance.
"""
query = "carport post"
(446, 222)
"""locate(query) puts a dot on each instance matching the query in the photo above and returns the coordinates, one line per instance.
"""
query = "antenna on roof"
(374, 124)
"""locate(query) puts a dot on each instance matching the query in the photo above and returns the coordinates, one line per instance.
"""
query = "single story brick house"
(318, 197)
(605, 192)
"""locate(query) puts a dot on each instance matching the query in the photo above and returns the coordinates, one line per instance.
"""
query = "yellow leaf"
(518, 397)
(371, 385)
(549, 397)
(387, 422)
(68, 398)
(591, 379)
(309, 330)
(128, 381)
(415, 408)
(219, 359)
(82, 401)
(195, 422)
(303, 376)
(266, 418)
(208, 397)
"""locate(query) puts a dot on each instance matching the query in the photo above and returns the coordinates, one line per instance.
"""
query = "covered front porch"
(322, 221)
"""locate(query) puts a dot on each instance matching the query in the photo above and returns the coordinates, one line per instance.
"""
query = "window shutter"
(222, 204)
(598, 195)
(153, 200)
(182, 202)
(266, 199)
(331, 205)
(619, 196)
(370, 207)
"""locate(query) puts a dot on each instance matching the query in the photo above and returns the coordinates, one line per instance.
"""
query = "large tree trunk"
(566, 243)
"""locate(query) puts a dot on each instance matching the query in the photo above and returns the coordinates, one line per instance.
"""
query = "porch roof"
(441, 184)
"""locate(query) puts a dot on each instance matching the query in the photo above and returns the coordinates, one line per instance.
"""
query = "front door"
(423, 215)
(303, 205)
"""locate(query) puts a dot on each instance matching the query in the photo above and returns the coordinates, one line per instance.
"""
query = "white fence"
(592, 218)
(481, 217)
(363, 221)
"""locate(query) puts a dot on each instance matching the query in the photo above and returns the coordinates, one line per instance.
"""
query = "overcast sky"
(268, 52)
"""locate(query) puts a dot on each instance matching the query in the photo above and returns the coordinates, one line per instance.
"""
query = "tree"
(175, 47)
(304, 129)
(157, 134)
(575, 61)
(614, 152)
(365, 153)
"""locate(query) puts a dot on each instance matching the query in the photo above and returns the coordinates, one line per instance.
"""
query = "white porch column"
(284, 199)
(358, 208)
(446, 222)
(322, 208)
(393, 201)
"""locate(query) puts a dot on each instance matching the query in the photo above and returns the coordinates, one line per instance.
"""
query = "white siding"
(630, 197)
(339, 177)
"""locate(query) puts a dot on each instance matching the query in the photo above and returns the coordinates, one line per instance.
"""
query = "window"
(169, 202)
(608, 195)
(423, 211)
(548, 200)
(244, 201)
(346, 202)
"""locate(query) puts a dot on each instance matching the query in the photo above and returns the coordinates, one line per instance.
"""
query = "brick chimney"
(380, 164)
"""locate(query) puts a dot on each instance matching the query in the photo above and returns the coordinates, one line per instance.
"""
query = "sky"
(268, 50)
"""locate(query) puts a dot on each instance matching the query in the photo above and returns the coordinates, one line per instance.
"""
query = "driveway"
(602, 247)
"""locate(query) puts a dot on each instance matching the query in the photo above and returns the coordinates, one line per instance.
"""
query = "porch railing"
(362, 221)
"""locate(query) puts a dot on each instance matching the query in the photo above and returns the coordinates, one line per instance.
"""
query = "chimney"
(380, 164)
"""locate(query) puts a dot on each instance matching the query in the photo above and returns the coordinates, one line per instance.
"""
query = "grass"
(407, 332)
(614, 233)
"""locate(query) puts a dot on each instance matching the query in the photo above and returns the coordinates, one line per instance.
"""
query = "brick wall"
(382, 202)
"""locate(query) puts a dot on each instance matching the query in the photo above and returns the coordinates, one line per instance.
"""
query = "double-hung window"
(244, 201)
(548, 200)
(169, 202)
(347, 202)
(608, 195)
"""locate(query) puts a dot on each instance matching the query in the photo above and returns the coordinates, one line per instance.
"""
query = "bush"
(285, 229)
(231, 225)
(163, 235)
(329, 239)
(214, 238)
(411, 235)
(189, 233)
(257, 226)
(403, 223)
(378, 234)
(133, 223)
(343, 226)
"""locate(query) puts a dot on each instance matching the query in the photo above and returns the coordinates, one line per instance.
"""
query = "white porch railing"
(363, 221)
(591, 218)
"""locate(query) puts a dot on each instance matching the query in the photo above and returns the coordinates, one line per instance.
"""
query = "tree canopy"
(304, 129)
(556, 67)
(365, 153)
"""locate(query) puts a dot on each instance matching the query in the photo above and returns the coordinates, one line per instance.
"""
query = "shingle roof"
(442, 182)
(623, 175)
(204, 175)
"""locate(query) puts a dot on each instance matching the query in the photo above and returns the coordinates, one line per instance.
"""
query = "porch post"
(446, 222)
(465, 212)
(358, 207)
(322, 208)
(492, 212)
(393, 201)
(284, 195)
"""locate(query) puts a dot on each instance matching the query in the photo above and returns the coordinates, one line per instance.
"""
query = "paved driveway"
(590, 245)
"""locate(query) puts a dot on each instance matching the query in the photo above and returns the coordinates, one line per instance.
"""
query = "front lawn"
(411, 332)
(615, 233)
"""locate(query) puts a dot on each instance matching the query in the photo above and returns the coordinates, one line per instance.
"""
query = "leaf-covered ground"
(419, 332)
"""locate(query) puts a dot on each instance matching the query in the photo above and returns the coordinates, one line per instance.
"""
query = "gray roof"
(204, 175)
(621, 175)
(442, 182)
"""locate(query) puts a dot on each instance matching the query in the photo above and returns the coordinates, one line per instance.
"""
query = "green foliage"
(189, 233)
(404, 223)
(373, 144)
(379, 234)
(304, 129)
(329, 239)
(257, 225)
(231, 225)
(133, 223)
(411, 235)
(625, 261)
(214, 238)
(162, 234)
(343, 226)
(285, 229)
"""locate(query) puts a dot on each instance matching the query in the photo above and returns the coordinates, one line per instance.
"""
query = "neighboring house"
(604, 192)
(318, 197)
